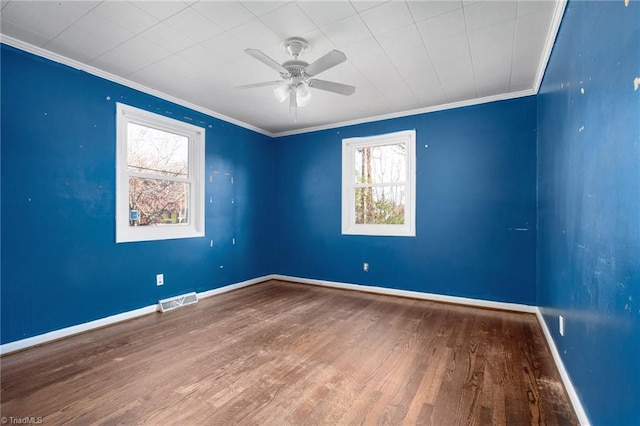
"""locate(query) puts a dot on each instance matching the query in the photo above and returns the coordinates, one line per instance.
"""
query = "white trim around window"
(354, 183)
(189, 225)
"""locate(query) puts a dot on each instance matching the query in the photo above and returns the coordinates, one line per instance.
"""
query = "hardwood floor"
(281, 353)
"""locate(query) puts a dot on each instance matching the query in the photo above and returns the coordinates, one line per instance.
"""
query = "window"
(378, 185)
(160, 177)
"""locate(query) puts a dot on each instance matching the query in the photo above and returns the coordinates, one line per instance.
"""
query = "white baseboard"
(113, 319)
(566, 380)
(413, 294)
(231, 287)
(69, 331)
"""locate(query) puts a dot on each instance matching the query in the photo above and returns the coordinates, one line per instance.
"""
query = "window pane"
(380, 205)
(381, 164)
(158, 201)
(153, 151)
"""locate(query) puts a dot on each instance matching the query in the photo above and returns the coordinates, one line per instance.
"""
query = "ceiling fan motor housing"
(295, 69)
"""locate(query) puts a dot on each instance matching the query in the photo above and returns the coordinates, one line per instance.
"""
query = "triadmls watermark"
(26, 420)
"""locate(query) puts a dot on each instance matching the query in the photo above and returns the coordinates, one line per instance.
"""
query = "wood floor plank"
(281, 353)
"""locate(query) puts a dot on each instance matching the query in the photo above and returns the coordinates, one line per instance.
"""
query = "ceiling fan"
(296, 75)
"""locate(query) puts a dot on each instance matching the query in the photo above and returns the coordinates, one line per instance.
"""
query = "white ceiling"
(403, 56)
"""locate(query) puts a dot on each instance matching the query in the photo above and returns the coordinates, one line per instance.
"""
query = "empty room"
(320, 212)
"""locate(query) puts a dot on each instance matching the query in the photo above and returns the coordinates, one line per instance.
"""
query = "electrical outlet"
(160, 279)
(561, 324)
(365, 267)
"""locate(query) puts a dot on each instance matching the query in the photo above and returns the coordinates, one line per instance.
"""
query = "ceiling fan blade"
(331, 86)
(266, 83)
(266, 60)
(329, 60)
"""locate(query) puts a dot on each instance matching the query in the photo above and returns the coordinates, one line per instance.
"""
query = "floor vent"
(177, 301)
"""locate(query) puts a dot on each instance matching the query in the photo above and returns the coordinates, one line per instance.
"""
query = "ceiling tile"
(364, 53)
(160, 10)
(223, 47)
(420, 71)
(322, 15)
(23, 34)
(442, 26)
(369, 58)
(407, 53)
(168, 37)
(527, 34)
(427, 94)
(452, 61)
(120, 62)
(125, 15)
(145, 49)
(364, 5)
(347, 31)
(88, 38)
(177, 66)
(288, 21)
(489, 12)
(460, 90)
(201, 57)
(422, 10)
(131, 56)
(192, 24)
(384, 76)
(491, 52)
(387, 17)
(498, 89)
(400, 96)
(524, 73)
(261, 7)
(319, 44)
(526, 7)
(254, 34)
(46, 17)
(225, 14)
(405, 39)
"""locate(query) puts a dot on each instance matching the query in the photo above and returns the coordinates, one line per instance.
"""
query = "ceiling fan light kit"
(296, 74)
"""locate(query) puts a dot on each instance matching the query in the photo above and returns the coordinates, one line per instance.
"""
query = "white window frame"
(349, 147)
(126, 114)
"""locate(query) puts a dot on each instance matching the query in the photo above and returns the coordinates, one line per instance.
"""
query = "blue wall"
(60, 263)
(589, 205)
(475, 185)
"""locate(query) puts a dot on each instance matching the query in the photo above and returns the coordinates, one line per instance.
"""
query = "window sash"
(194, 181)
(350, 186)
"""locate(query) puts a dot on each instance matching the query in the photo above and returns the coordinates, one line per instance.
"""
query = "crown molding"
(558, 13)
